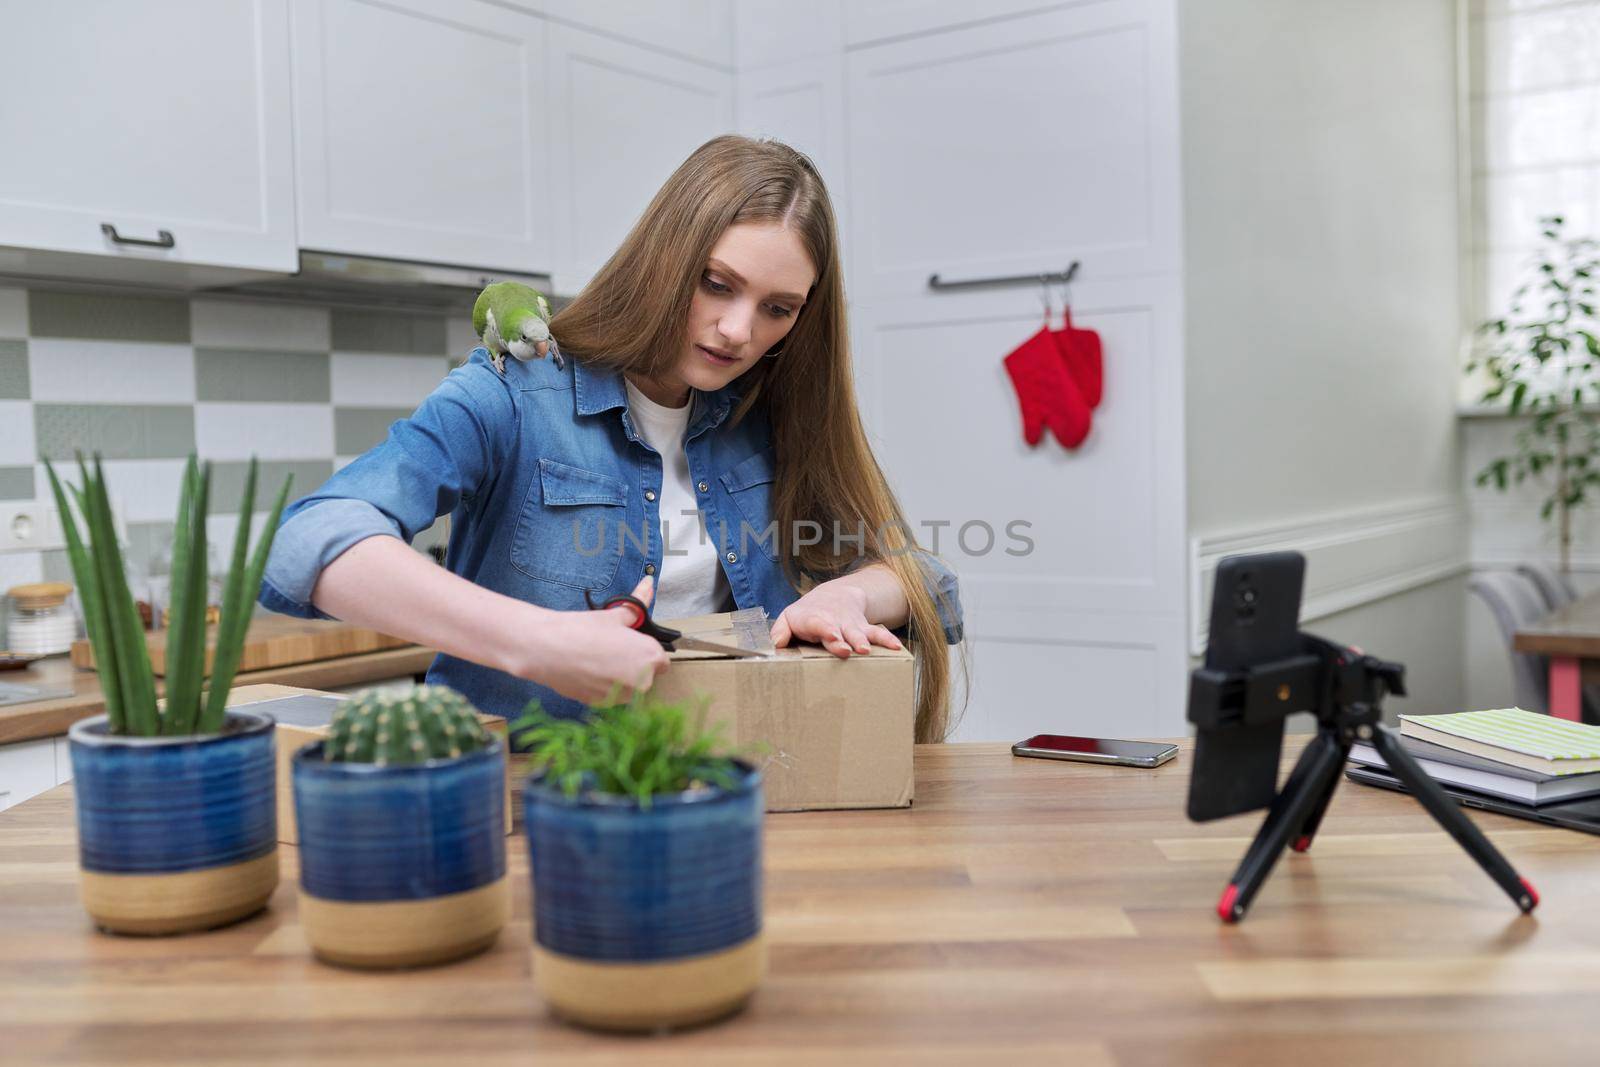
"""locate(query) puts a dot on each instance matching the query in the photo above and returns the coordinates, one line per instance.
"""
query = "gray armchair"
(1515, 599)
(1556, 589)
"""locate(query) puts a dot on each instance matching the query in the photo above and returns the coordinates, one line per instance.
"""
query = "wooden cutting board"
(270, 642)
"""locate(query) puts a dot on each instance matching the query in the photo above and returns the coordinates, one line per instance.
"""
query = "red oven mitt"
(1046, 392)
(1081, 352)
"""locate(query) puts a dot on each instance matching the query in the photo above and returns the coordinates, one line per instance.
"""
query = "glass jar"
(39, 620)
(159, 584)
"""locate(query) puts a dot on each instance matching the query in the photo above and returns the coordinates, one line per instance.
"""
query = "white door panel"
(1016, 147)
(1013, 147)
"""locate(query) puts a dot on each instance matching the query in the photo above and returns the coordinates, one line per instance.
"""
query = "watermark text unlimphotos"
(974, 537)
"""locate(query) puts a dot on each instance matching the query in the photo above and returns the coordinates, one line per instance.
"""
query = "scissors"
(671, 640)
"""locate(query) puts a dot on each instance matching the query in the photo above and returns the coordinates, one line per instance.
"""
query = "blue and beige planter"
(176, 833)
(401, 866)
(646, 918)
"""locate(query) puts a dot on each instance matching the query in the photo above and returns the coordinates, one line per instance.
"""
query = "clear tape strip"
(751, 629)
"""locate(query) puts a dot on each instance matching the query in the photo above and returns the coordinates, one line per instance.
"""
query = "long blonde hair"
(633, 317)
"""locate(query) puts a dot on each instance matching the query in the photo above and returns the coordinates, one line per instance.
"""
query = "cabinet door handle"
(164, 238)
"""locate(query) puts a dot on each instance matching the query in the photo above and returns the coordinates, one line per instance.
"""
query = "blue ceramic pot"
(646, 917)
(176, 833)
(401, 865)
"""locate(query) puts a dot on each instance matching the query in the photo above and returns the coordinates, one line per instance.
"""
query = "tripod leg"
(1302, 840)
(1455, 822)
(1313, 777)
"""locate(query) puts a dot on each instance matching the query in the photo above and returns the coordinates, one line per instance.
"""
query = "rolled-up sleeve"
(447, 449)
(946, 593)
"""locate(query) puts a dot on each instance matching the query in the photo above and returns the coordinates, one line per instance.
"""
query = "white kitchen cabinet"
(163, 123)
(421, 131)
(27, 769)
(869, 21)
(63, 760)
(701, 30)
(801, 103)
(622, 119)
(776, 32)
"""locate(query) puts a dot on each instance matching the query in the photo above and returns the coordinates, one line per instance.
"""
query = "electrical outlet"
(30, 526)
(35, 525)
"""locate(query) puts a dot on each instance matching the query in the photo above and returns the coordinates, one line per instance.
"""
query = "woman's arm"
(587, 655)
(342, 551)
(382, 583)
(885, 598)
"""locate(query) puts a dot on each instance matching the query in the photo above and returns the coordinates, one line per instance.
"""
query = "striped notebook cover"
(1514, 736)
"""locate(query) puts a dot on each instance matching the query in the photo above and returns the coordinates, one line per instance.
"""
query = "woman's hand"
(594, 656)
(834, 615)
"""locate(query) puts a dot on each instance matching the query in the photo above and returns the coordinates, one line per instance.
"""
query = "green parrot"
(511, 317)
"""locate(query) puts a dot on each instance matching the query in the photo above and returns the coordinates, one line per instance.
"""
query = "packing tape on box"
(752, 629)
(801, 739)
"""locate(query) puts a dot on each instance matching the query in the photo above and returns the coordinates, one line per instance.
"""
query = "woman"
(702, 432)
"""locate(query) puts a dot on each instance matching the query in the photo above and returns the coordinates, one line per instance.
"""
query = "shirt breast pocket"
(571, 528)
(749, 483)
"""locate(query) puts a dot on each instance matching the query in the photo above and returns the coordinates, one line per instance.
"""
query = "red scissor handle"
(641, 617)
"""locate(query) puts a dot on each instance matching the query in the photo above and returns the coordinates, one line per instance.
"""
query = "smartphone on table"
(1096, 750)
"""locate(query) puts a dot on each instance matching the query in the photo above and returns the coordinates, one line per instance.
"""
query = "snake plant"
(115, 630)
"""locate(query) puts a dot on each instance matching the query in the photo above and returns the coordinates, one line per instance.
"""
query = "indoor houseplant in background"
(177, 826)
(644, 844)
(1542, 360)
(402, 821)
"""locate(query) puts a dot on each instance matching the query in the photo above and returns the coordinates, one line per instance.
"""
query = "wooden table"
(1570, 637)
(1023, 911)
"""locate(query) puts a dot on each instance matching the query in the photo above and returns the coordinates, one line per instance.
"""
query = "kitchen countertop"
(1022, 911)
(51, 718)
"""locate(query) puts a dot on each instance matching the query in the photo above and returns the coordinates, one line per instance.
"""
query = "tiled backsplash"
(145, 380)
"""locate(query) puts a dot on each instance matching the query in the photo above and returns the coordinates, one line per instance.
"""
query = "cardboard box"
(303, 716)
(839, 732)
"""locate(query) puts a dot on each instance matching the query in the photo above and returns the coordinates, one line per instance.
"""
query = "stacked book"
(1510, 753)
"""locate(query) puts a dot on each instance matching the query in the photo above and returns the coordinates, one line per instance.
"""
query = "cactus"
(407, 726)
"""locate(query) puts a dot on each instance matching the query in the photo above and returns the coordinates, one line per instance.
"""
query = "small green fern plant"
(642, 749)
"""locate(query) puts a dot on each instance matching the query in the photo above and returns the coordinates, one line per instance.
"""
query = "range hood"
(367, 281)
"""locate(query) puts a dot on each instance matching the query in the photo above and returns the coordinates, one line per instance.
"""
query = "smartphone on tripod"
(1259, 669)
(1255, 618)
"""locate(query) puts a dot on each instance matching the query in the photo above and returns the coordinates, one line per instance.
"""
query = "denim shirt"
(551, 492)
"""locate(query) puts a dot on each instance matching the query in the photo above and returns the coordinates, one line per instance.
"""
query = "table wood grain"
(1022, 911)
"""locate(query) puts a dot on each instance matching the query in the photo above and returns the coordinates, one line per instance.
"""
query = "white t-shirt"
(690, 581)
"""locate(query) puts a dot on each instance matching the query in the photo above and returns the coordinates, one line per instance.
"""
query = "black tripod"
(1349, 688)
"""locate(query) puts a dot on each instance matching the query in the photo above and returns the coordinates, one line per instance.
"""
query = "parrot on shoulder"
(511, 317)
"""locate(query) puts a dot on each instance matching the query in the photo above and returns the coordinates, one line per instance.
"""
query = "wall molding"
(1352, 559)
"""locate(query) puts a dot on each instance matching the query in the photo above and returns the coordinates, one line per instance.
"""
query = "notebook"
(1510, 735)
(1449, 767)
(1582, 813)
